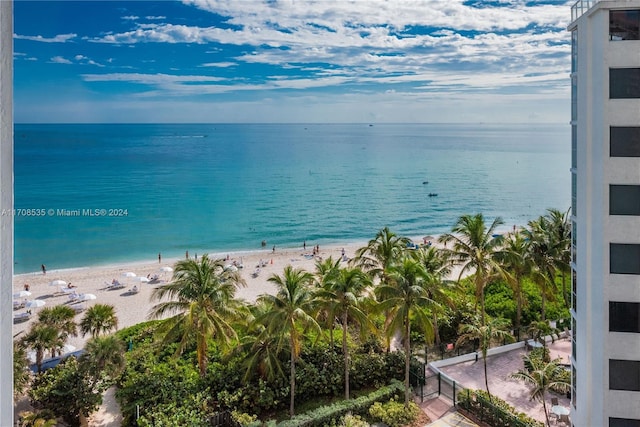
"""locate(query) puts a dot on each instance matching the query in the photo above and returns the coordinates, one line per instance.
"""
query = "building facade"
(605, 121)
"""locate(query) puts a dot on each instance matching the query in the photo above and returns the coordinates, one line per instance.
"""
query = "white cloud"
(60, 60)
(155, 18)
(60, 38)
(131, 18)
(219, 64)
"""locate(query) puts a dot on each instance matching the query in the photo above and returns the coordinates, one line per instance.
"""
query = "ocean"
(106, 193)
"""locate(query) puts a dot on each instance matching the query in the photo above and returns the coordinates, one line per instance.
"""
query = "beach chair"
(564, 419)
(78, 308)
(554, 401)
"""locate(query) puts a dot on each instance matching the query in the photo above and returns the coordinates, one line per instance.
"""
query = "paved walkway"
(499, 367)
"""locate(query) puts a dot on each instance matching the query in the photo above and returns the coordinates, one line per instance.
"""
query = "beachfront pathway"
(499, 367)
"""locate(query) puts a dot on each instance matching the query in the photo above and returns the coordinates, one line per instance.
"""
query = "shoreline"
(132, 308)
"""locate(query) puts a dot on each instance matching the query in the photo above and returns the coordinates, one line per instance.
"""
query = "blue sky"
(323, 61)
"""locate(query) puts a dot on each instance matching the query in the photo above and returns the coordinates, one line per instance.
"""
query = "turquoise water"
(216, 188)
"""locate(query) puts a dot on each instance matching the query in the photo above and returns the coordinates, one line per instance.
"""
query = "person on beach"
(274, 249)
(264, 243)
(304, 245)
(186, 254)
(26, 287)
(44, 269)
(159, 257)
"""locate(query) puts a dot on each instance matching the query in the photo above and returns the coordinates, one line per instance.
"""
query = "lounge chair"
(564, 419)
(78, 308)
(21, 317)
(18, 304)
(554, 401)
(66, 290)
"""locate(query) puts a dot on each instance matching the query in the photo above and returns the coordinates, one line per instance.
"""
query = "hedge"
(359, 406)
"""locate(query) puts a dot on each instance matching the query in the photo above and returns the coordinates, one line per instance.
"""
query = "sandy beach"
(133, 308)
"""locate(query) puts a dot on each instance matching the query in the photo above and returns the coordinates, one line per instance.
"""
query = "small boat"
(425, 182)
(433, 194)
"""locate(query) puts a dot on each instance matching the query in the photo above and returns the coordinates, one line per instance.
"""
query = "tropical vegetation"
(205, 351)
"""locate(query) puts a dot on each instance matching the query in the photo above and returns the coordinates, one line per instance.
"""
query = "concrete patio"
(470, 374)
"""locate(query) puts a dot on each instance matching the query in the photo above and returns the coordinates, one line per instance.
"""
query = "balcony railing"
(580, 7)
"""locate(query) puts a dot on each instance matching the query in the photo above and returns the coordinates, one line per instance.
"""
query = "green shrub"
(495, 411)
(326, 415)
(394, 414)
(242, 418)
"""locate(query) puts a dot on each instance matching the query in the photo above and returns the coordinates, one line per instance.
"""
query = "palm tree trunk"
(546, 414)
(202, 355)
(565, 295)
(292, 382)
(486, 377)
(436, 332)
(518, 309)
(345, 352)
(543, 300)
(407, 359)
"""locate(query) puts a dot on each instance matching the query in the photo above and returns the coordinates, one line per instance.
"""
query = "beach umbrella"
(67, 348)
(86, 297)
(129, 274)
(143, 279)
(22, 294)
(230, 268)
(35, 303)
(166, 269)
(58, 283)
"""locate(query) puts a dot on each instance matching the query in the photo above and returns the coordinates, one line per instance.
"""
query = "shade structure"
(67, 348)
(86, 297)
(129, 274)
(22, 294)
(166, 269)
(35, 303)
(58, 282)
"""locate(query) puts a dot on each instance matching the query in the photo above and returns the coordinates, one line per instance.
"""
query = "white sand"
(134, 308)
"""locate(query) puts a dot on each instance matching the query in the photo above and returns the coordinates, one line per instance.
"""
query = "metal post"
(6, 205)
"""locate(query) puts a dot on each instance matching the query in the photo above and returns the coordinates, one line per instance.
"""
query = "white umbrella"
(22, 294)
(67, 348)
(58, 283)
(35, 303)
(231, 268)
(166, 269)
(86, 297)
(129, 274)
(143, 279)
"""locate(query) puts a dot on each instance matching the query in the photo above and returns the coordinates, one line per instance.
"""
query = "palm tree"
(291, 310)
(515, 261)
(260, 345)
(20, 368)
(542, 376)
(60, 317)
(40, 338)
(104, 356)
(201, 299)
(438, 267)
(99, 319)
(381, 252)
(543, 253)
(560, 231)
(476, 247)
(326, 271)
(405, 297)
(494, 329)
(342, 295)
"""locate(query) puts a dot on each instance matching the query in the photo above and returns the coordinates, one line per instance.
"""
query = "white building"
(605, 84)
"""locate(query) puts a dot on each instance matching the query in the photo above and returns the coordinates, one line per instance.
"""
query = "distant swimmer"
(425, 182)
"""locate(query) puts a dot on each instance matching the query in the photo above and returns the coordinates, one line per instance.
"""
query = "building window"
(624, 258)
(623, 422)
(624, 83)
(624, 317)
(624, 24)
(574, 286)
(624, 199)
(624, 141)
(624, 375)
